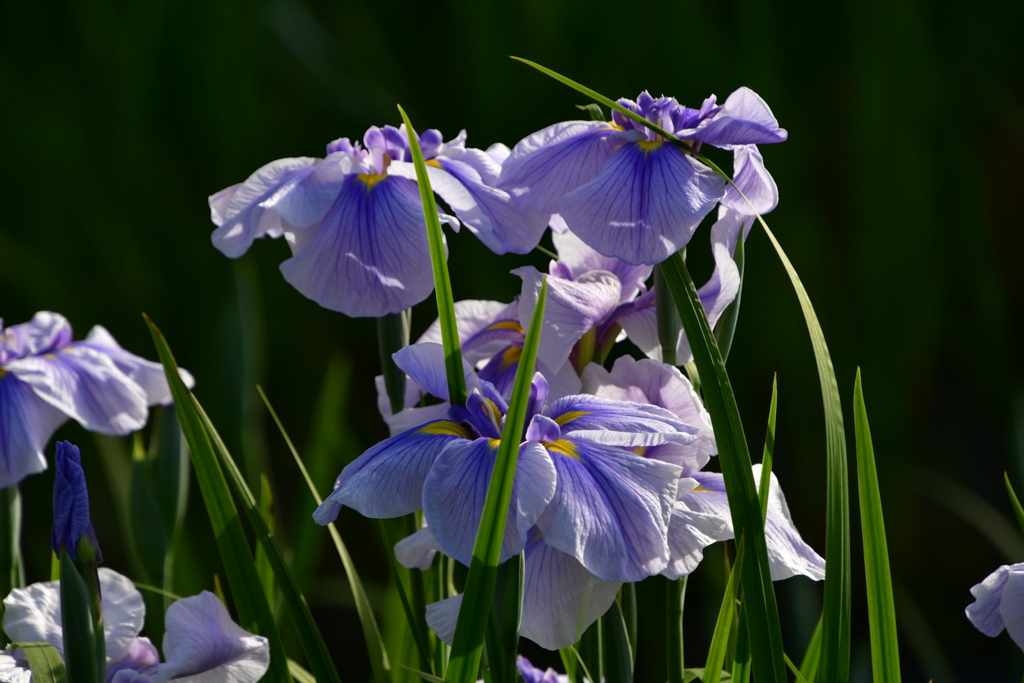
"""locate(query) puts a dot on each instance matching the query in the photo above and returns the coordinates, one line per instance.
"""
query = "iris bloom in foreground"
(354, 219)
(46, 378)
(201, 642)
(629, 193)
(999, 603)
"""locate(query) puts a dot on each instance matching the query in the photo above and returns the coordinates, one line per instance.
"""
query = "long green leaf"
(769, 451)
(419, 637)
(837, 611)
(254, 614)
(375, 644)
(10, 541)
(759, 596)
(392, 336)
(724, 623)
(44, 661)
(1014, 501)
(78, 625)
(263, 568)
(476, 603)
(675, 597)
(885, 652)
(502, 639)
(618, 655)
(796, 672)
(442, 283)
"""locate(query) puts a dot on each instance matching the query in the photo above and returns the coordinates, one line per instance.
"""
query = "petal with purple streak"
(645, 203)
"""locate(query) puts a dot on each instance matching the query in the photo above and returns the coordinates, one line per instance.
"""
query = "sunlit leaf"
(44, 661)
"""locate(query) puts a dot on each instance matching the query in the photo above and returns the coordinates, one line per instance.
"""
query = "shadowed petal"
(455, 490)
(582, 412)
(369, 256)
(754, 180)
(561, 599)
(147, 374)
(1011, 606)
(424, 363)
(417, 549)
(26, 424)
(689, 532)
(485, 327)
(984, 612)
(557, 160)
(611, 509)
(645, 204)
(306, 196)
(580, 258)
(387, 480)
(442, 617)
(203, 645)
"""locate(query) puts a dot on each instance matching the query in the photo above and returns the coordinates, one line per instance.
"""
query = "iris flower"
(576, 478)
(201, 642)
(46, 378)
(354, 219)
(999, 603)
(629, 193)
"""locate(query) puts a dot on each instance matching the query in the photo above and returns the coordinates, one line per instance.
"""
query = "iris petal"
(580, 258)
(455, 490)
(148, 375)
(754, 180)
(26, 423)
(645, 203)
(984, 612)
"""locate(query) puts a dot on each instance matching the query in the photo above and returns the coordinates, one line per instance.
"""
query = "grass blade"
(627, 598)
(419, 637)
(618, 656)
(263, 568)
(254, 613)
(796, 672)
(812, 657)
(769, 451)
(442, 283)
(469, 630)
(723, 625)
(374, 643)
(885, 652)
(759, 596)
(1017, 509)
(393, 336)
(44, 661)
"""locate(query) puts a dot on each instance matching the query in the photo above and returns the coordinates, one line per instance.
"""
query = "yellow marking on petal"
(640, 450)
(492, 410)
(371, 179)
(512, 355)
(49, 356)
(570, 416)
(506, 325)
(493, 444)
(2, 372)
(649, 146)
(615, 126)
(564, 447)
(446, 428)
(701, 489)
(435, 163)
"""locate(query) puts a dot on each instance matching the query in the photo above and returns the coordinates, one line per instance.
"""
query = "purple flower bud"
(71, 520)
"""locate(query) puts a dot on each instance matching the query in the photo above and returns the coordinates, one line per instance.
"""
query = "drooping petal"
(572, 308)
(689, 532)
(147, 374)
(307, 195)
(46, 333)
(455, 490)
(984, 612)
(561, 599)
(369, 256)
(1011, 606)
(417, 549)
(86, 385)
(203, 645)
(26, 424)
(754, 180)
(645, 204)
(611, 509)
(442, 617)
(407, 419)
(32, 614)
(556, 160)
(236, 210)
(723, 286)
(744, 119)
(485, 327)
(660, 384)
(387, 480)
(424, 363)
(580, 258)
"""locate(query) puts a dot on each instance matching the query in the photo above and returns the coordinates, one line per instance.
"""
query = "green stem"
(393, 336)
(668, 318)
(674, 599)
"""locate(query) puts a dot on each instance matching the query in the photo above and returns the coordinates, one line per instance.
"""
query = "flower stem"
(675, 596)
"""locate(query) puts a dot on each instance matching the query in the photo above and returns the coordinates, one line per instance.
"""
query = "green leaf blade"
(885, 654)
(476, 603)
(44, 661)
(723, 625)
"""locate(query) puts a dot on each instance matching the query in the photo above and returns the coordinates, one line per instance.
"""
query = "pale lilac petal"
(26, 424)
(572, 308)
(443, 616)
(641, 326)
(611, 509)
(1011, 606)
(140, 656)
(557, 224)
(86, 385)
(689, 532)
(307, 195)
(563, 383)
(370, 255)
(498, 152)
(729, 226)
(455, 490)
(485, 327)
(123, 612)
(417, 549)
(203, 645)
(984, 612)
(424, 363)
(754, 180)
(583, 412)
(46, 333)
(408, 418)
(147, 374)
(744, 119)
(645, 204)
(236, 211)
(387, 480)
(660, 384)
(723, 286)
(580, 258)
(556, 160)
(561, 599)
(14, 669)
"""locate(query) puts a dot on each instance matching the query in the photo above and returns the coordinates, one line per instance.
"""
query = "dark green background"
(900, 208)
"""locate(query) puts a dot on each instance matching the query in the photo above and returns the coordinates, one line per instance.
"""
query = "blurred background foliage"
(899, 185)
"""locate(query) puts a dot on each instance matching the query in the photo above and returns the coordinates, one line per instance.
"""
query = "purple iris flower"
(71, 520)
(630, 194)
(201, 642)
(577, 479)
(999, 603)
(45, 378)
(354, 220)
(532, 674)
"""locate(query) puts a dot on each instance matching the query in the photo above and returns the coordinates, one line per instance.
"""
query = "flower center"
(371, 179)
(649, 146)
